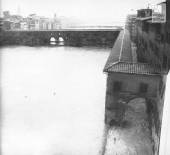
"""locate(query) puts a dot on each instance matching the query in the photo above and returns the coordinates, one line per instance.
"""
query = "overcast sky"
(104, 10)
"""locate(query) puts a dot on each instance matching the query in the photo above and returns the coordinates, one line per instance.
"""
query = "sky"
(87, 10)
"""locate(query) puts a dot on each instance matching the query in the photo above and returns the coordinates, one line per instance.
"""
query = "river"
(52, 100)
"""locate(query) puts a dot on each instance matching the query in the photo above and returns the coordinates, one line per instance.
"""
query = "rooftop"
(122, 59)
(135, 68)
(121, 50)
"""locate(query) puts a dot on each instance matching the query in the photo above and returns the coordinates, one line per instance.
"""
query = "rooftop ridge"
(136, 68)
(121, 51)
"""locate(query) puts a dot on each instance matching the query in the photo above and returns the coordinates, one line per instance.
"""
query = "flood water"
(52, 100)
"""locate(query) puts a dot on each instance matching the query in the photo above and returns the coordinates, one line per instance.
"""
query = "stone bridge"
(71, 37)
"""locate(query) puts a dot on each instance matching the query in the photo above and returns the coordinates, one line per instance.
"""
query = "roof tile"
(135, 68)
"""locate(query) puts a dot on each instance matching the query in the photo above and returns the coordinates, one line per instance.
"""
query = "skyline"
(92, 11)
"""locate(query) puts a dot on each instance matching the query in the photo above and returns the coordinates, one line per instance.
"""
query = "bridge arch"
(60, 39)
(52, 40)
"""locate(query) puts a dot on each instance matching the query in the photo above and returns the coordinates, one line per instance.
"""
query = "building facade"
(140, 71)
(153, 37)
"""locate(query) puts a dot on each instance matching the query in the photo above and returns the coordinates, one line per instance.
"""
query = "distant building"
(15, 25)
(33, 22)
(43, 23)
(56, 24)
(11, 22)
(23, 25)
(164, 10)
(1, 23)
(16, 18)
(6, 14)
(49, 25)
(144, 13)
(7, 25)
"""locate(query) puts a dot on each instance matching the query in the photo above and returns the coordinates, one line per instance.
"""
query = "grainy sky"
(105, 10)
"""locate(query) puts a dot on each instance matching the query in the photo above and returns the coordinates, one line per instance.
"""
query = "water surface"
(52, 100)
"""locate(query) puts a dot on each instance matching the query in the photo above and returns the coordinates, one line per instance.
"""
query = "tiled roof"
(135, 68)
(121, 59)
(121, 50)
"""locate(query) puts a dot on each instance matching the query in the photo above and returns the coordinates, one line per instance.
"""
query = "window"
(143, 88)
(151, 45)
(168, 37)
(165, 61)
(162, 38)
(117, 86)
(156, 51)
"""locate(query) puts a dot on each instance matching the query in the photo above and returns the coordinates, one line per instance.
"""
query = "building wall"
(168, 12)
(153, 44)
(131, 83)
(155, 112)
(6, 25)
(130, 89)
(1, 23)
(144, 13)
(153, 41)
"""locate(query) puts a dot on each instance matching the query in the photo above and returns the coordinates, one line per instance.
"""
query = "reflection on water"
(52, 43)
(61, 43)
(52, 100)
(52, 39)
(60, 39)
